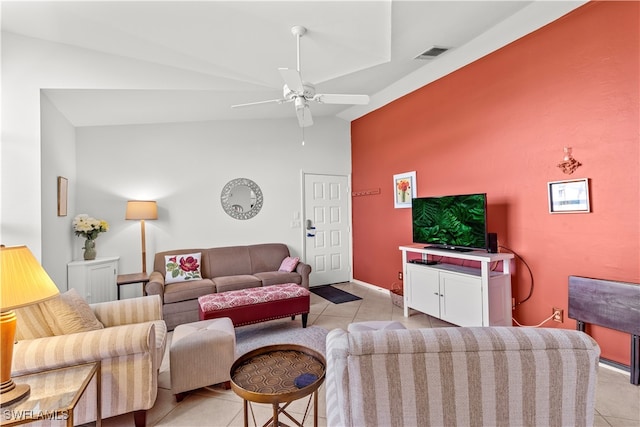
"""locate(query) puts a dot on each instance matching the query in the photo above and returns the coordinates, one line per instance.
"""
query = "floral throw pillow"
(181, 268)
(289, 264)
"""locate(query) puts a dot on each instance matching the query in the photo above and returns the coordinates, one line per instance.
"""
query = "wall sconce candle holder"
(569, 164)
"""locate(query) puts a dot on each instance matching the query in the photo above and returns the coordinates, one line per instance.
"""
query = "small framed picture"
(570, 196)
(405, 189)
(62, 195)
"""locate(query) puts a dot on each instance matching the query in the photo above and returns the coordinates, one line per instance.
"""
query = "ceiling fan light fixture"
(301, 93)
(300, 103)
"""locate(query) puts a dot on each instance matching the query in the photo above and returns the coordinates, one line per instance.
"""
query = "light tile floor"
(617, 401)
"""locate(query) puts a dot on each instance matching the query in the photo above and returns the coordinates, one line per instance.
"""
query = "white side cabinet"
(464, 296)
(94, 280)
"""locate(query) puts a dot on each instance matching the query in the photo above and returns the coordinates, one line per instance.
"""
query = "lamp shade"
(22, 279)
(141, 209)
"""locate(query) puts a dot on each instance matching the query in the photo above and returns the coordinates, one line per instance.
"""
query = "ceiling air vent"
(432, 52)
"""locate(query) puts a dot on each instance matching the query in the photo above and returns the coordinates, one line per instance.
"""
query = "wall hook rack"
(370, 192)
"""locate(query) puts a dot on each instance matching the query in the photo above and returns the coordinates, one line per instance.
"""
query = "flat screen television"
(456, 222)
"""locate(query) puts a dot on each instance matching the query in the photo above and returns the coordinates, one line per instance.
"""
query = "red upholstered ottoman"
(253, 305)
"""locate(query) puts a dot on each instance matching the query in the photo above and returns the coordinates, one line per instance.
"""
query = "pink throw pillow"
(289, 264)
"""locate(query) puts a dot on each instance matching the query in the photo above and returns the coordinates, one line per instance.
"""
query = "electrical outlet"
(399, 275)
(558, 315)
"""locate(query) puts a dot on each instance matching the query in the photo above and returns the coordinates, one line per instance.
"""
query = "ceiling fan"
(301, 93)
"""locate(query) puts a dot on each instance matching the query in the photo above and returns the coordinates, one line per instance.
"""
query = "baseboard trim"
(370, 286)
(615, 366)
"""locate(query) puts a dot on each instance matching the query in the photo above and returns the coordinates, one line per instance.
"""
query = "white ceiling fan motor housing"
(308, 92)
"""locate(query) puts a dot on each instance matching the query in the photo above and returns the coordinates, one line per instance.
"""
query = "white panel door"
(327, 228)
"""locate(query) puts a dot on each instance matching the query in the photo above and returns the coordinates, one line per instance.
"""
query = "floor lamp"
(24, 282)
(142, 210)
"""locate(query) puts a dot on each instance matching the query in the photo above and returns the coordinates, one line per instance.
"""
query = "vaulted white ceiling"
(236, 47)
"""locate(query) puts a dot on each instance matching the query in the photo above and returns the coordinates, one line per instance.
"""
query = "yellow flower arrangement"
(88, 227)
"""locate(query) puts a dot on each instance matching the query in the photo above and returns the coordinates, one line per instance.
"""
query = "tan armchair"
(130, 346)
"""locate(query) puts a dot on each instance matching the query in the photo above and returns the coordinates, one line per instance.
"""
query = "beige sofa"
(130, 347)
(223, 269)
(461, 376)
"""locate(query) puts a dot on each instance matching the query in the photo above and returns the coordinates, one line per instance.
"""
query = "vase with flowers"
(89, 228)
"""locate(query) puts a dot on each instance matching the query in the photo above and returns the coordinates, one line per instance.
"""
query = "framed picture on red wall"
(405, 189)
(570, 196)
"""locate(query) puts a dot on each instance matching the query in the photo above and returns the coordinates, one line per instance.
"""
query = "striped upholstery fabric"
(130, 311)
(127, 311)
(31, 323)
(498, 376)
(130, 355)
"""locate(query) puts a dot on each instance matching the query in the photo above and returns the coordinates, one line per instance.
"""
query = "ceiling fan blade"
(292, 79)
(271, 101)
(304, 116)
(335, 98)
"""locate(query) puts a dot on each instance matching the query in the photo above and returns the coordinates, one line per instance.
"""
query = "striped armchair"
(130, 346)
(499, 376)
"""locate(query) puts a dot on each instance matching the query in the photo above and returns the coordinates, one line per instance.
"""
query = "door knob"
(310, 228)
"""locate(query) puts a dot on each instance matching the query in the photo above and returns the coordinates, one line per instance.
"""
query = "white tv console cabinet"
(458, 294)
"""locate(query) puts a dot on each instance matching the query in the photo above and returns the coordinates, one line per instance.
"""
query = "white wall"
(58, 158)
(29, 65)
(184, 167)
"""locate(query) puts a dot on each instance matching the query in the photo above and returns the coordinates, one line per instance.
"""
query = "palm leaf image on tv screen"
(455, 221)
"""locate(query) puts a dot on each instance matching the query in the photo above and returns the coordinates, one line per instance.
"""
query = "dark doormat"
(335, 295)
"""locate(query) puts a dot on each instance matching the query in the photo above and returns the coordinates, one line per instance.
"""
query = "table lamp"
(142, 209)
(23, 282)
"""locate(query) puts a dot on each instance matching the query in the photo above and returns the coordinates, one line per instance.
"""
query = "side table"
(54, 395)
(128, 279)
(269, 375)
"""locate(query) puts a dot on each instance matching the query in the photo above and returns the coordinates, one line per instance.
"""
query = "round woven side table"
(278, 374)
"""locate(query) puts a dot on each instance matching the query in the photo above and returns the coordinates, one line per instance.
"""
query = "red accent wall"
(499, 126)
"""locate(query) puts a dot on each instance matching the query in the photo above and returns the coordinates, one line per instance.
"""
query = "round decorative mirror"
(241, 198)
